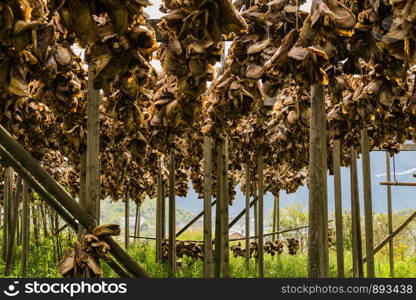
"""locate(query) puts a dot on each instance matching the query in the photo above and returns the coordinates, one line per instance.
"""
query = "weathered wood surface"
(260, 184)
(338, 208)
(368, 206)
(247, 211)
(390, 215)
(93, 149)
(318, 226)
(207, 207)
(172, 217)
(357, 255)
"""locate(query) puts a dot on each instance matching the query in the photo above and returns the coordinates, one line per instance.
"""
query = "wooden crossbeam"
(398, 183)
(404, 147)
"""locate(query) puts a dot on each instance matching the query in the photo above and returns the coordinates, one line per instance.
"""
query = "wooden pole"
(255, 209)
(163, 210)
(355, 219)
(260, 167)
(137, 221)
(276, 219)
(247, 192)
(126, 222)
(393, 234)
(225, 270)
(25, 228)
(318, 215)
(93, 148)
(194, 220)
(14, 209)
(6, 213)
(207, 207)
(368, 207)
(172, 217)
(390, 215)
(338, 208)
(159, 221)
(218, 220)
(82, 190)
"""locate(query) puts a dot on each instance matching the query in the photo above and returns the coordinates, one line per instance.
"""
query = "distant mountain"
(405, 164)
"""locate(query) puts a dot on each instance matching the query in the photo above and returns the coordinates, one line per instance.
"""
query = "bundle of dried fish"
(192, 32)
(84, 260)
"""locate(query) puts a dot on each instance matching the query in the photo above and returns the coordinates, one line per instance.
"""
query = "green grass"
(43, 261)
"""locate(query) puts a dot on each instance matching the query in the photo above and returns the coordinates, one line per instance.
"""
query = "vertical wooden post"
(159, 215)
(368, 207)
(255, 210)
(44, 224)
(318, 213)
(126, 222)
(357, 255)
(172, 216)
(25, 228)
(82, 189)
(93, 148)
(276, 217)
(260, 185)
(247, 192)
(224, 212)
(14, 210)
(6, 213)
(207, 207)
(336, 155)
(218, 220)
(163, 210)
(390, 215)
(137, 221)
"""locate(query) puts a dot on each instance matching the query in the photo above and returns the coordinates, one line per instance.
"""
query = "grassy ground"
(42, 263)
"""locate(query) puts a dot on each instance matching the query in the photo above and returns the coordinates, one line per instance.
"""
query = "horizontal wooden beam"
(404, 147)
(399, 183)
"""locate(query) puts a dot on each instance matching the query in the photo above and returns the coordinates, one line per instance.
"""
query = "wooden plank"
(368, 207)
(172, 216)
(317, 254)
(336, 155)
(207, 207)
(247, 223)
(260, 176)
(390, 215)
(355, 216)
(93, 148)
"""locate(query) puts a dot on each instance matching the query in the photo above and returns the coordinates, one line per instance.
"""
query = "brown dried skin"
(84, 260)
